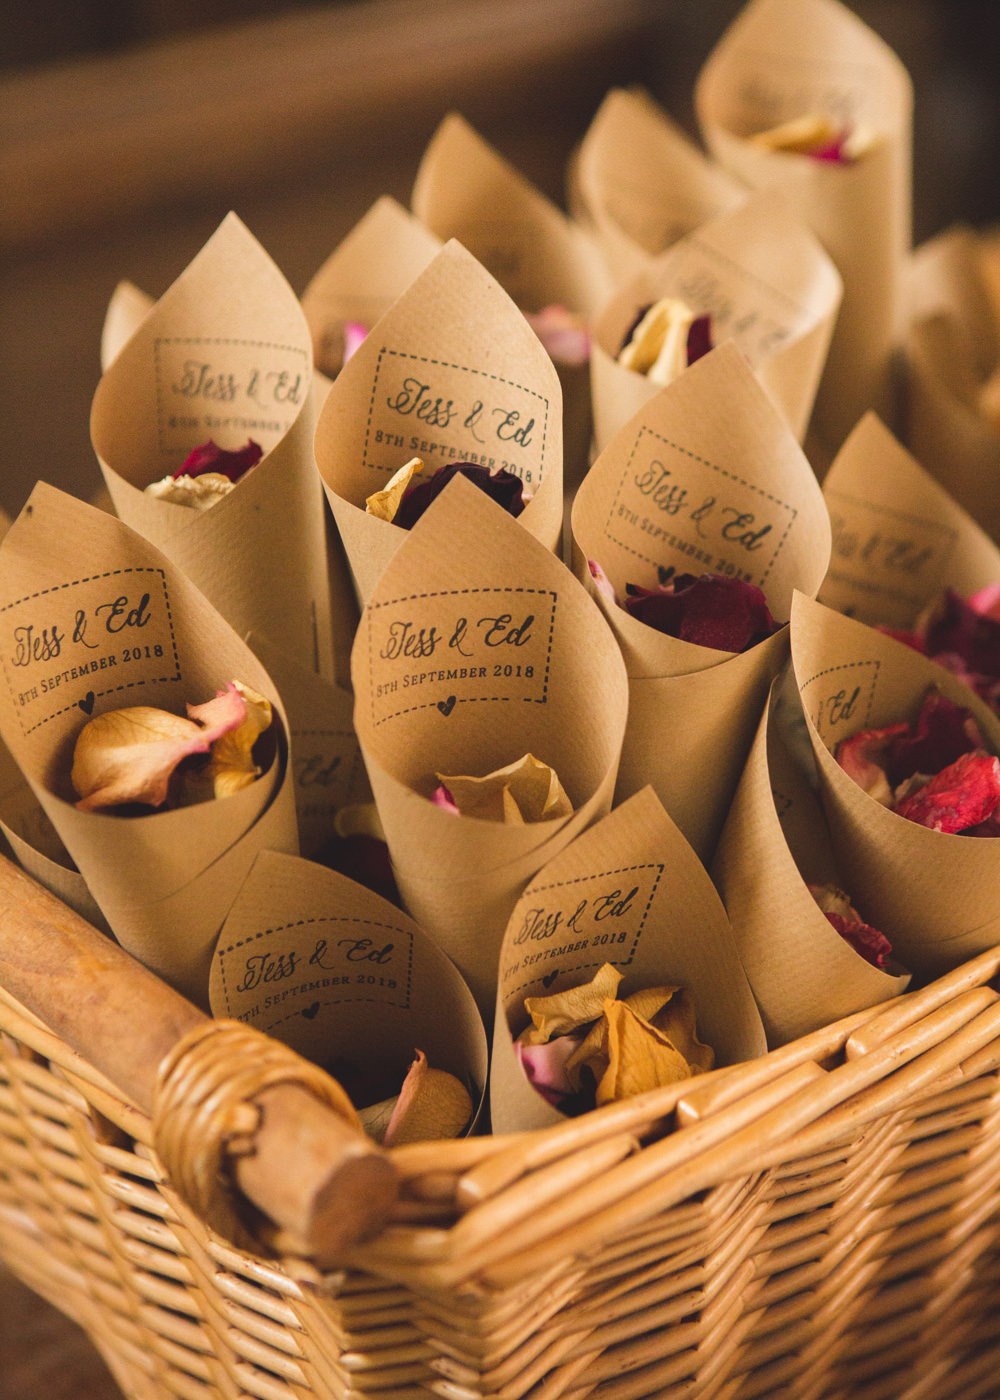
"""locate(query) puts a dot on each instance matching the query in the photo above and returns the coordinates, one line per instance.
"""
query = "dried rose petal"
(129, 755)
(384, 504)
(966, 628)
(526, 790)
(664, 339)
(545, 1067)
(563, 333)
(502, 486)
(231, 766)
(442, 798)
(432, 1105)
(962, 795)
(566, 1011)
(865, 755)
(818, 137)
(602, 583)
(711, 611)
(209, 457)
(943, 732)
(354, 337)
(872, 945)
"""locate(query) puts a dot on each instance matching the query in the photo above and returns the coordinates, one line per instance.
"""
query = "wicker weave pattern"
(820, 1224)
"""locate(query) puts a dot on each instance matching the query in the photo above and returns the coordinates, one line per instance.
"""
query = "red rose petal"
(962, 795)
(873, 946)
(943, 732)
(711, 611)
(209, 457)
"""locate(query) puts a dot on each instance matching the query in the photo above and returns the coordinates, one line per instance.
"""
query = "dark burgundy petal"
(943, 732)
(961, 628)
(209, 457)
(699, 340)
(502, 486)
(711, 611)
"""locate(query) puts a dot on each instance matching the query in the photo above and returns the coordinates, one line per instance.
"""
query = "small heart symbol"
(549, 978)
(87, 703)
(665, 574)
(309, 1012)
(446, 706)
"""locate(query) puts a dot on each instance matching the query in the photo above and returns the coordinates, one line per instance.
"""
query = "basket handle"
(309, 1171)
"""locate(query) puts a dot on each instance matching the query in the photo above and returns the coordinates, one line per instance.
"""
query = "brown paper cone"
(98, 620)
(685, 486)
(344, 977)
(451, 373)
(35, 843)
(477, 647)
(630, 892)
(328, 771)
(465, 190)
(936, 892)
(952, 348)
(225, 354)
(373, 266)
(128, 308)
(898, 537)
(639, 184)
(791, 58)
(774, 843)
(767, 285)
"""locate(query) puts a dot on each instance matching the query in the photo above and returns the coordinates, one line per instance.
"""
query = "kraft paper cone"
(373, 266)
(464, 189)
(952, 349)
(477, 647)
(775, 843)
(328, 771)
(344, 977)
(225, 354)
(639, 183)
(766, 283)
(128, 308)
(451, 373)
(783, 59)
(630, 892)
(35, 844)
(98, 620)
(686, 486)
(898, 537)
(937, 892)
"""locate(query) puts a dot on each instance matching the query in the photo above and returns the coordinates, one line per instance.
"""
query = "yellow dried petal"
(639, 1057)
(671, 1011)
(525, 791)
(800, 135)
(658, 345)
(568, 1010)
(432, 1104)
(385, 503)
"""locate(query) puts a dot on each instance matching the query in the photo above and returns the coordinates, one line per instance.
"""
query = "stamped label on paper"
(453, 646)
(299, 970)
(759, 317)
(324, 770)
(839, 700)
(226, 389)
(672, 506)
(577, 925)
(443, 412)
(68, 646)
(884, 561)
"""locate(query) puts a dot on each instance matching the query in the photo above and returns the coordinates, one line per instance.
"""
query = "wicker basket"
(819, 1223)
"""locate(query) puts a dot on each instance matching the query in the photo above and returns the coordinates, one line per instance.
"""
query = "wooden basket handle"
(313, 1175)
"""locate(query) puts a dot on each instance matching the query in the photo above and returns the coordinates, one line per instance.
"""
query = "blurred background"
(129, 127)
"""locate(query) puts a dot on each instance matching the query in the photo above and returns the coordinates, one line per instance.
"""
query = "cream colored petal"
(568, 1010)
(198, 492)
(800, 135)
(525, 791)
(658, 345)
(129, 755)
(385, 503)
